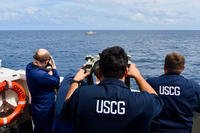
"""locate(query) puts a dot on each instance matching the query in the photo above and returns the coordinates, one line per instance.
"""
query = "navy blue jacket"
(181, 97)
(41, 86)
(62, 125)
(111, 107)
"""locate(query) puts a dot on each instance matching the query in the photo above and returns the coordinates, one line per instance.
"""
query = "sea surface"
(69, 48)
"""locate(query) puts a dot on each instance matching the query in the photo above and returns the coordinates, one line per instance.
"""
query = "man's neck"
(38, 64)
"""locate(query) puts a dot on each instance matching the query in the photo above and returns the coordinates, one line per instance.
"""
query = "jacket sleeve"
(156, 105)
(152, 104)
(197, 98)
(49, 80)
(70, 107)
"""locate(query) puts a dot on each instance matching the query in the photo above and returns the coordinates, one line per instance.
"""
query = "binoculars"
(92, 65)
(92, 62)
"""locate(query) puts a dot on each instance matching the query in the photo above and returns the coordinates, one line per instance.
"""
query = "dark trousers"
(43, 121)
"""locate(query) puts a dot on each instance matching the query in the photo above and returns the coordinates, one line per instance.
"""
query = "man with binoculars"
(42, 79)
(110, 106)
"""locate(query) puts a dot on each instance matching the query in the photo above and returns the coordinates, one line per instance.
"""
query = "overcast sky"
(99, 14)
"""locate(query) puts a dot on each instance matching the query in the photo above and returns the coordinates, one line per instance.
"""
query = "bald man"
(42, 79)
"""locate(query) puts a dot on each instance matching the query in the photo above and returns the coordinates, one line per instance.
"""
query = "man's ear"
(101, 76)
(183, 67)
(165, 69)
(126, 72)
(100, 72)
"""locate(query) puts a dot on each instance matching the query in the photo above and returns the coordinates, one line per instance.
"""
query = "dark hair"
(113, 62)
(174, 62)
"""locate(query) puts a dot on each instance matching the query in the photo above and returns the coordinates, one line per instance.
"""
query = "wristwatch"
(75, 81)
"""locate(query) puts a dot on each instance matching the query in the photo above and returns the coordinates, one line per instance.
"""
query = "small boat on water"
(90, 33)
(10, 100)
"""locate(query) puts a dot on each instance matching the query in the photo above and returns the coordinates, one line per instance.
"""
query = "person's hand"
(133, 71)
(81, 75)
(50, 72)
(52, 63)
(141, 82)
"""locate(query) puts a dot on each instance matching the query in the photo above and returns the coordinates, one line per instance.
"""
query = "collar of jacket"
(113, 81)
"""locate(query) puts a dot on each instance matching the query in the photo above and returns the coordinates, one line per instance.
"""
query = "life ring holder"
(16, 87)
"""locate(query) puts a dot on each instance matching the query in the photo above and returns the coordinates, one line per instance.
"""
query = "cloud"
(139, 17)
(9, 15)
(134, 2)
(170, 21)
(77, 13)
(31, 10)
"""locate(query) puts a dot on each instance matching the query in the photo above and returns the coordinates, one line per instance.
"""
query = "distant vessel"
(90, 33)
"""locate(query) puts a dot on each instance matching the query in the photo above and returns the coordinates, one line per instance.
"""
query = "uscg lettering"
(110, 107)
(169, 90)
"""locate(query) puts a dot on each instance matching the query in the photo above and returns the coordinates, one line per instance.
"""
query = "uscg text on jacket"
(169, 90)
(110, 107)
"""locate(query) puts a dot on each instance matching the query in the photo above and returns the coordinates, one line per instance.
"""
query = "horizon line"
(100, 30)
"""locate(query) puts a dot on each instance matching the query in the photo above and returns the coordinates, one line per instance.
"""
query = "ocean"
(69, 48)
